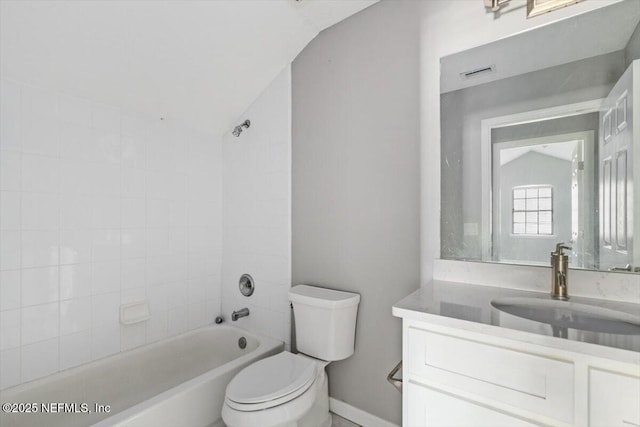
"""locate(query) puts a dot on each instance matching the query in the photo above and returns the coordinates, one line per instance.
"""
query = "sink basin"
(567, 314)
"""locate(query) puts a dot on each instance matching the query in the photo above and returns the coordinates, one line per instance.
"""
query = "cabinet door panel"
(537, 384)
(428, 407)
(614, 399)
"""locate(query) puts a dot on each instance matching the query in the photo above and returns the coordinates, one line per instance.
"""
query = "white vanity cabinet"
(461, 377)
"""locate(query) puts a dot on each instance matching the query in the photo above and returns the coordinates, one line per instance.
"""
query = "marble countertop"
(469, 307)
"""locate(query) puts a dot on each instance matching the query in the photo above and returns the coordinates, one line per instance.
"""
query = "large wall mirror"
(541, 144)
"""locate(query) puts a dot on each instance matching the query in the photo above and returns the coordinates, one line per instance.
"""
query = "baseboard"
(356, 415)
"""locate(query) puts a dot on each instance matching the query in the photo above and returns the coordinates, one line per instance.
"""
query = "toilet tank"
(325, 321)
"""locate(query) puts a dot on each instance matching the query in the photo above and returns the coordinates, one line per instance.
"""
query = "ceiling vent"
(478, 72)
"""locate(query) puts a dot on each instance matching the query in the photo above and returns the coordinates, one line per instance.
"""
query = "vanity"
(468, 363)
(540, 138)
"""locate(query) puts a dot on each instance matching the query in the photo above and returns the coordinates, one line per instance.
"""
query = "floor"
(338, 421)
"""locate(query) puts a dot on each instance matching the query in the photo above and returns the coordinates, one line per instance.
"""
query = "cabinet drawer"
(614, 399)
(429, 407)
(493, 374)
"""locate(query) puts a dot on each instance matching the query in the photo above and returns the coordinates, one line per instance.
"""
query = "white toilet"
(291, 389)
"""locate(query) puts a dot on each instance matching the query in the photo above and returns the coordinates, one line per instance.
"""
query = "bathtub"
(180, 381)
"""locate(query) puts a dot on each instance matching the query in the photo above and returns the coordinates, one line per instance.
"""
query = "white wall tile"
(40, 136)
(9, 290)
(9, 329)
(133, 151)
(75, 349)
(10, 249)
(132, 336)
(40, 173)
(157, 326)
(157, 296)
(40, 285)
(105, 277)
(76, 177)
(75, 315)
(40, 211)
(9, 367)
(105, 212)
(40, 248)
(105, 245)
(75, 211)
(257, 240)
(133, 182)
(75, 281)
(76, 111)
(75, 141)
(105, 340)
(157, 213)
(39, 359)
(105, 118)
(158, 241)
(10, 170)
(75, 246)
(10, 113)
(105, 179)
(95, 210)
(133, 273)
(177, 294)
(37, 102)
(133, 243)
(106, 147)
(179, 241)
(198, 315)
(39, 322)
(105, 309)
(134, 212)
(10, 210)
(177, 320)
(133, 295)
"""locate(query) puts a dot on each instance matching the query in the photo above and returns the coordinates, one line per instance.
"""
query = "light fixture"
(534, 7)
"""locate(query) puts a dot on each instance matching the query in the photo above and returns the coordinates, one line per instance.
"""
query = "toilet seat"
(271, 382)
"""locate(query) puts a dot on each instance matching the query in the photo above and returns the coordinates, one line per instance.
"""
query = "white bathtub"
(180, 381)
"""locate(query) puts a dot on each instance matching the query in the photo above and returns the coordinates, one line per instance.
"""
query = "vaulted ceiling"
(199, 62)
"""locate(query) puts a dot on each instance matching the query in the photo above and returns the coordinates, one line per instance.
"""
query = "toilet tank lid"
(322, 297)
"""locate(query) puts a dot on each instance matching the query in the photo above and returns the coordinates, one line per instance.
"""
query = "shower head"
(238, 129)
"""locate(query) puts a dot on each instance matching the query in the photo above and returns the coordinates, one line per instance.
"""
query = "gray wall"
(461, 114)
(534, 169)
(632, 51)
(355, 202)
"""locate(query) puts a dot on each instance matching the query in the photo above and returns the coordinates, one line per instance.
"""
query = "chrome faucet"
(240, 313)
(559, 269)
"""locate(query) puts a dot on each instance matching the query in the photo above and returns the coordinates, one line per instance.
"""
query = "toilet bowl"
(282, 390)
(291, 390)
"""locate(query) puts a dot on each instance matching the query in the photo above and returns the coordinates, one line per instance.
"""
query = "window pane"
(544, 204)
(545, 229)
(518, 228)
(545, 192)
(519, 205)
(532, 210)
(545, 217)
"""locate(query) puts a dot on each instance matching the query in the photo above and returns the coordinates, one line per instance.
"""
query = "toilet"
(287, 390)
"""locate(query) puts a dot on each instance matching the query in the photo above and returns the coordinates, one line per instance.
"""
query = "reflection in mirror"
(539, 144)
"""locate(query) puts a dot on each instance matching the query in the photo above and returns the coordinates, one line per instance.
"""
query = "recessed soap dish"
(134, 312)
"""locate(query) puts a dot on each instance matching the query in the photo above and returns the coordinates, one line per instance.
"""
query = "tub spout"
(240, 313)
